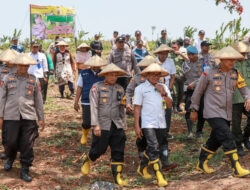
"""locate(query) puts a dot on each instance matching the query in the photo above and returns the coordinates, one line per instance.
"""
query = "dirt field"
(58, 157)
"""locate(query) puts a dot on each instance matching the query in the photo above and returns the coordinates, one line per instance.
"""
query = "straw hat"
(163, 48)
(8, 55)
(23, 59)
(155, 68)
(62, 43)
(228, 53)
(95, 61)
(112, 68)
(147, 61)
(241, 47)
(84, 45)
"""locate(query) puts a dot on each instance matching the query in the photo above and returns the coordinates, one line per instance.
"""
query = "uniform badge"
(104, 88)
(142, 78)
(29, 92)
(216, 75)
(104, 100)
(94, 88)
(241, 81)
(11, 79)
(217, 88)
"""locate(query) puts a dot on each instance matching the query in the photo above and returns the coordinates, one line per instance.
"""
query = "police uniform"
(108, 112)
(125, 60)
(191, 74)
(219, 87)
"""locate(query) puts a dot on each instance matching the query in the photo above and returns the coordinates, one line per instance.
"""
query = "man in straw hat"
(82, 55)
(124, 58)
(108, 122)
(65, 67)
(85, 81)
(243, 67)
(219, 85)
(6, 69)
(150, 100)
(192, 71)
(20, 103)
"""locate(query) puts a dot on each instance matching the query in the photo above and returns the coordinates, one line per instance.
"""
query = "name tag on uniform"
(164, 105)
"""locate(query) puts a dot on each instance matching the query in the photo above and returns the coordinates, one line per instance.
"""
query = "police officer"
(192, 71)
(219, 85)
(5, 69)
(243, 67)
(124, 58)
(85, 81)
(108, 122)
(96, 46)
(20, 103)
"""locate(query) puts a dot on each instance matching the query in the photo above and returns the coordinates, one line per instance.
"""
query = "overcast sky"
(127, 16)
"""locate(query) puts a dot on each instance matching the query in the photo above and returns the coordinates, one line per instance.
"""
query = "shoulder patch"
(241, 81)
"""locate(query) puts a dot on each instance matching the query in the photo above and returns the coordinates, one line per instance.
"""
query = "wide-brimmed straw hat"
(155, 68)
(112, 68)
(163, 48)
(228, 53)
(84, 45)
(241, 47)
(8, 55)
(23, 59)
(95, 61)
(147, 61)
(62, 43)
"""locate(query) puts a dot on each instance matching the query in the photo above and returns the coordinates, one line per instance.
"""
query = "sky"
(126, 16)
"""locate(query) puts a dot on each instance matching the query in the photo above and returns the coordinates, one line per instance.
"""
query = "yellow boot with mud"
(143, 167)
(84, 136)
(86, 165)
(236, 167)
(160, 178)
(205, 155)
(116, 171)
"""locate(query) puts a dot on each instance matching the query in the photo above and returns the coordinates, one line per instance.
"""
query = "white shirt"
(152, 113)
(169, 66)
(183, 50)
(197, 44)
(42, 66)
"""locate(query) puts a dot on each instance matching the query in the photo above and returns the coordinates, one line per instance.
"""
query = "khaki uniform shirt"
(134, 82)
(5, 71)
(124, 59)
(106, 106)
(218, 88)
(20, 96)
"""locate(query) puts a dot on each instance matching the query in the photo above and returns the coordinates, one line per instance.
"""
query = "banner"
(46, 22)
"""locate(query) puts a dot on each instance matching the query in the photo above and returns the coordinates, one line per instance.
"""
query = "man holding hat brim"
(96, 46)
(192, 70)
(208, 59)
(137, 38)
(124, 58)
(242, 66)
(40, 70)
(6, 69)
(219, 85)
(20, 104)
(140, 51)
(108, 122)
(17, 47)
(197, 42)
(65, 68)
(85, 81)
(82, 55)
(150, 100)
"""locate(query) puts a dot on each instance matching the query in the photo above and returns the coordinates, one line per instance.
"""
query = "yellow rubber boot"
(84, 136)
(116, 171)
(160, 178)
(205, 155)
(143, 167)
(86, 165)
(236, 167)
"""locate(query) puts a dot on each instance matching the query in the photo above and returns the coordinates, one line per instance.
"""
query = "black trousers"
(156, 141)
(220, 135)
(168, 118)
(141, 143)
(70, 85)
(188, 102)
(44, 88)
(123, 81)
(238, 110)
(20, 135)
(115, 138)
(86, 123)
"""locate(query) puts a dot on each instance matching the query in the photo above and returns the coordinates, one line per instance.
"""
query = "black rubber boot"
(190, 128)
(24, 174)
(8, 164)
(166, 165)
(246, 143)
(143, 167)
(205, 155)
(240, 150)
(117, 168)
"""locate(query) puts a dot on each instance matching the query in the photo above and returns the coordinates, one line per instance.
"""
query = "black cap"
(205, 43)
(35, 43)
(164, 32)
(137, 32)
(127, 36)
(119, 39)
(202, 32)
